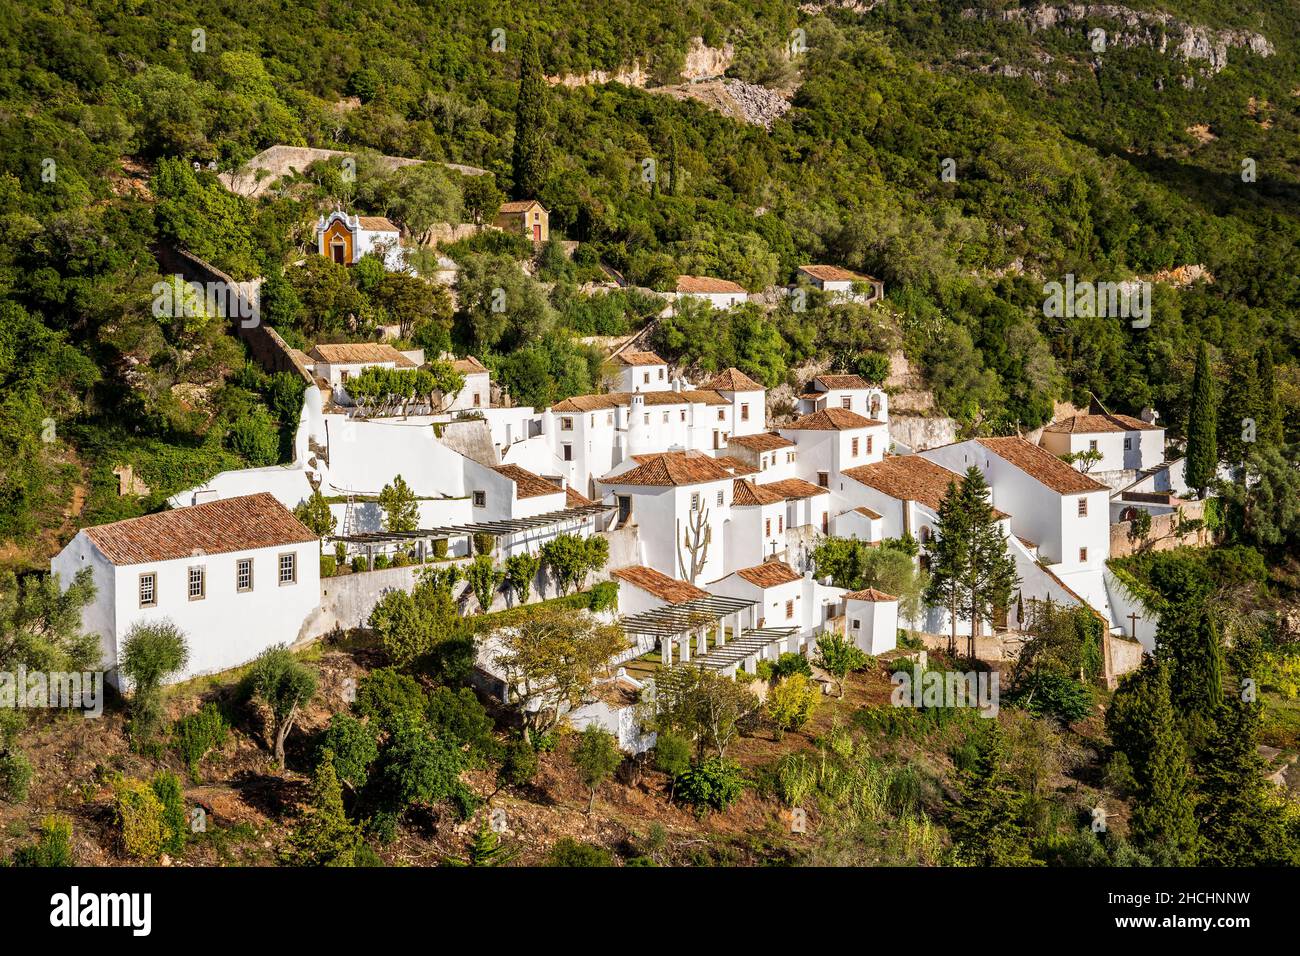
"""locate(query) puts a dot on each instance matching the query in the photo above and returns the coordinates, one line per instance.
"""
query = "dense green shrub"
(712, 784)
(568, 852)
(197, 734)
(52, 848)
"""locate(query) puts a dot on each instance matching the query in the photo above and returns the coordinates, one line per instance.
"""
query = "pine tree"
(530, 161)
(988, 825)
(990, 570)
(1202, 448)
(1142, 726)
(1270, 431)
(486, 849)
(946, 557)
(325, 837)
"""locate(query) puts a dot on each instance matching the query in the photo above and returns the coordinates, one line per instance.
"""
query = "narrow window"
(846, 402)
(869, 437)
(1083, 507)
(855, 448)
(244, 574)
(789, 610)
(720, 499)
(1083, 554)
(149, 590)
(695, 501)
(480, 499)
(197, 584)
(1092, 445)
(824, 479)
(566, 424)
(288, 568)
(767, 528)
(568, 452)
(722, 414)
(744, 412)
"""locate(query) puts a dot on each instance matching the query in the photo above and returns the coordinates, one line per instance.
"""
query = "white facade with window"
(230, 605)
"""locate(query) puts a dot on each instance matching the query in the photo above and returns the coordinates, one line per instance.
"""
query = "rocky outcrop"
(1159, 30)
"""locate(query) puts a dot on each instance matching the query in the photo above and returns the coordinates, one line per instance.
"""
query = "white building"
(1126, 445)
(849, 392)
(680, 503)
(641, 372)
(345, 239)
(338, 364)
(901, 492)
(644, 589)
(842, 285)
(236, 576)
(476, 393)
(783, 598)
(773, 457)
(591, 435)
(833, 440)
(719, 293)
(871, 620)
(756, 530)
(747, 397)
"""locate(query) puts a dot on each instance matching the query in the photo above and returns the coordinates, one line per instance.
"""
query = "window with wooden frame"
(149, 589)
(244, 574)
(288, 568)
(198, 584)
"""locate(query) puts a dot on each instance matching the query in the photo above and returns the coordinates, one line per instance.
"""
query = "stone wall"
(1164, 534)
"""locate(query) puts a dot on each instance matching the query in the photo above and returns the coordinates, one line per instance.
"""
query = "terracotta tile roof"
(906, 478)
(1041, 465)
(359, 353)
(670, 468)
(869, 594)
(1095, 424)
(733, 380)
(831, 419)
(704, 396)
(215, 527)
(834, 274)
(376, 224)
(707, 284)
(574, 500)
(520, 205)
(841, 381)
(527, 485)
(747, 494)
(468, 365)
(868, 513)
(639, 358)
(736, 466)
(763, 441)
(595, 403)
(659, 584)
(769, 574)
(795, 488)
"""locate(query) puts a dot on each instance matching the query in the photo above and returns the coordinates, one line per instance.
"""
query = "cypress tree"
(1242, 404)
(1141, 724)
(1242, 822)
(1202, 448)
(1270, 431)
(530, 160)
(1188, 640)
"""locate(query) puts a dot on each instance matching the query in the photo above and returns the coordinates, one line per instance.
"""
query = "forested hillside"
(1106, 165)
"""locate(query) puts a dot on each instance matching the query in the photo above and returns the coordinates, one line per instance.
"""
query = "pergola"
(749, 644)
(697, 617)
(506, 527)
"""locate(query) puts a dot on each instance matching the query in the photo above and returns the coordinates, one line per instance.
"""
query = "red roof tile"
(747, 494)
(733, 380)
(795, 488)
(831, 419)
(527, 485)
(763, 441)
(215, 527)
(907, 478)
(659, 584)
(869, 594)
(638, 358)
(703, 284)
(670, 468)
(1041, 465)
(769, 574)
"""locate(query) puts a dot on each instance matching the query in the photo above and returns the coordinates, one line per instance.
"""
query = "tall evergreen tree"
(1142, 726)
(1188, 640)
(1242, 822)
(1241, 412)
(530, 159)
(325, 837)
(1202, 447)
(990, 569)
(1270, 431)
(988, 824)
(946, 557)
